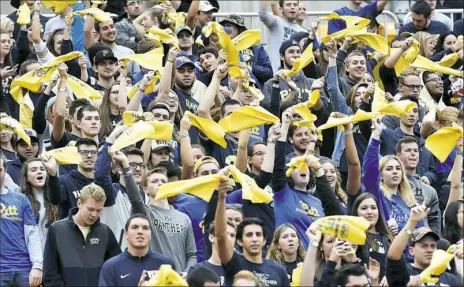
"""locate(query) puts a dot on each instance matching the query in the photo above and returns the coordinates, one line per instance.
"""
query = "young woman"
(54, 42)
(378, 235)
(427, 43)
(114, 103)
(256, 152)
(386, 180)
(38, 179)
(8, 143)
(286, 248)
(293, 203)
(446, 41)
(454, 221)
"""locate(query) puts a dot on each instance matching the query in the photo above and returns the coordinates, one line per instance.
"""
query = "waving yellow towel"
(209, 128)
(443, 141)
(247, 117)
(348, 228)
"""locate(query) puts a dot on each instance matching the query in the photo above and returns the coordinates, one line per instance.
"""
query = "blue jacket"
(125, 269)
(260, 62)
(13, 168)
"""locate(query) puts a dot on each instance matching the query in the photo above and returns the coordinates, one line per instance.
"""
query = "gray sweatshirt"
(171, 232)
(426, 193)
(281, 30)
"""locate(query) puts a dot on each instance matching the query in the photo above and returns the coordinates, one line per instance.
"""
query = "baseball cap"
(15, 3)
(234, 19)
(184, 28)
(287, 44)
(202, 161)
(159, 145)
(182, 61)
(205, 6)
(420, 233)
(105, 54)
(31, 133)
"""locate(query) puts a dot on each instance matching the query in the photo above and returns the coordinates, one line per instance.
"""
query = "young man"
(301, 138)
(353, 8)
(422, 245)
(421, 14)
(251, 237)
(350, 275)
(203, 277)
(24, 152)
(78, 245)
(105, 67)
(214, 262)
(186, 42)
(355, 68)
(172, 233)
(21, 254)
(209, 59)
(434, 85)
(436, 16)
(56, 22)
(72, 182)
(204, 15)
(281, 28)
(407, 151)
(125, 30)
(126, 268)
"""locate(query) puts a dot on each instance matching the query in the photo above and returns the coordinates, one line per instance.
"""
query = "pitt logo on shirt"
(94, 241)
(9, 212)
(309, 211)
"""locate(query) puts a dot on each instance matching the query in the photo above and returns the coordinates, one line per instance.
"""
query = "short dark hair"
(133, 216)
(281, 2)
(405, 140)
(171, 169)
(133, 151)
(76, 104)
(158, 169)
(251, 147)
(201, 275)
(422, 8)
(249, 221)
(229, 102)
(25, 64)
(85, 141)
(373, 23)
(86, 108)
(347, 270)
(213, 51)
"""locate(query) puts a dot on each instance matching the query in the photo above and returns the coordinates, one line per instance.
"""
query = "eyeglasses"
(87, 152)
(436, 80)
(414, 87)
(141, 165)
(259, 153)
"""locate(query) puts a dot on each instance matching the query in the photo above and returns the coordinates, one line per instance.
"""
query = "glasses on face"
(436, 80)
(414, 87)
(259, 153)
(134, 165)
(84, 152)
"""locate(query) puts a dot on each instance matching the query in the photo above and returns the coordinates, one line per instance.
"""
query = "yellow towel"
(297, 163)
(152, 60)
(232, 53)
(340, 122)
(303, 109)
(247, 39)
(443, 141)
(166, 276)
(15, 126)
(406, 58)
(348, 228)
(350, 21)
(250, 190)
(163, 130)
(247, 117)
(96, 13)
(65, 155)
(438, 265)
(82, 90)
(449, 60)
(24, 15)
(202, 187)
(305, 59)
(165, 36)
(382, 106)
(428, 65)
(209, 128)
(212, 27)
(149, 89)
(137, 132)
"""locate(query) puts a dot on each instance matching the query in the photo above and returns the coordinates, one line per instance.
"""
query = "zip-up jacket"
(71, 260)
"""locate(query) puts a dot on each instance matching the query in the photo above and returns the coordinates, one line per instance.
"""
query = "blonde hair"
(94, 191)
(275, 253)
(404, 189)
(4, 23)
(422, 38)
(447, 116)
(246, 275)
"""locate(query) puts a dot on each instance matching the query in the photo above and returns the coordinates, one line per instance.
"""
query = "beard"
(183, 86)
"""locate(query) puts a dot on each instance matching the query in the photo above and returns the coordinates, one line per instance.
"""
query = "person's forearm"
(242, 152)
(400, 241)
(186, 155)
(428, 122)
(207, 101)
(456, 172)
(268, 162)
(89, 24)
(136, 100)
(35, 28)
(165, 82)
(192, 14)
(60, 111)
(391, 60)
(122, 97)
(139, 29)
(34, 246)
(308, 271)
(354, 166)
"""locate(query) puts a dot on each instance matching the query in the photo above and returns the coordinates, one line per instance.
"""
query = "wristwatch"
(62, 90)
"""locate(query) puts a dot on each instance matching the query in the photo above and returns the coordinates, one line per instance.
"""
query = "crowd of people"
(215, 193)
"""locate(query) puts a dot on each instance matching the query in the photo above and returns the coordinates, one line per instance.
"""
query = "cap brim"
(163, 146)
(233, 22)
(184, 29)
(429, 233)
(214, 9)
(33, 139)
(109, 58)
(184, 64)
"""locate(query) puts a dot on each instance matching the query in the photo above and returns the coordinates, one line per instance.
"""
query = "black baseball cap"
(105, 54)
(287, 44)
(422, 232)
(32, 135)
(15, 3)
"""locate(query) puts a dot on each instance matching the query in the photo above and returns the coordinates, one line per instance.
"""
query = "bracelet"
(170, 61)
(62, 90)
(348, 132)
(459, 153)
(183, 134)
(409, 232)
(315, 244)
(271, 141)
(318, 169)
(333, 55)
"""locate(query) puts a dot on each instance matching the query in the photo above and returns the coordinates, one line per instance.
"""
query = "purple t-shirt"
(337, 25)
(15, 213)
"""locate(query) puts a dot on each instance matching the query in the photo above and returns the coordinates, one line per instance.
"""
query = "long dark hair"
(51, 41)
(380, 226)
(26, 188)
(453, 232)
(8, 59)
(105, 112)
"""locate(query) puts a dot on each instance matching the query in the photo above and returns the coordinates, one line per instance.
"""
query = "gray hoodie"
(423, 192)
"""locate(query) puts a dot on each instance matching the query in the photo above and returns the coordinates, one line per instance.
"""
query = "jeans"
(14, 279)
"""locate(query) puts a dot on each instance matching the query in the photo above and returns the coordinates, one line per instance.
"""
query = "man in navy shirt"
(127, 268)
(353, 8)
(421, 14)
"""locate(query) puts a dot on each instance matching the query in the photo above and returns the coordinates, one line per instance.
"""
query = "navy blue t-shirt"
(218, 269)
(435, 27)
(186, 101)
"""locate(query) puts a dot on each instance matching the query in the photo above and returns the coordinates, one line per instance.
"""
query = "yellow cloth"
(256, 93)
(60, 6)
(129, 118)
(398, 109)
(96, 13)
(339, 122)
(65, 155)
(247, 39)
(82, 90)
(299, 163)
(212, 27)
(181, 17)
(163, 130)
(250, 190)
(166, 276)
(154, 38)
(296, 275)
(428, 65)
(406, 58)
(15, 126)
(152, 60)
(139, 131)
(148, 90)
(438, 265)
(443, 141)
(449, 60)
(376, 73)
(303, 109)
(202, 187)
(350, 21)
(166, 36)
(305, 59)
(306, 123)
(209, 128)
(247, 117)
(25, 115)
(229, 48)
(349, 228)
(24, 15)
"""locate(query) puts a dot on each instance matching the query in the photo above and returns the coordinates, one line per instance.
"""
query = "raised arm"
(279, 179)
(89, 25)
(39, 122)
(122, 95)
(207, 101)
(135, 102)
(167, 79)
(265, 17)
(428, 122)
(35, 27)
(276, 9)
(139, 29)
(391, 60)
(308, 273)
(353, 183)
(192, 14)
(60, 105)
(186, 148)
(242, 150)
(456, 175)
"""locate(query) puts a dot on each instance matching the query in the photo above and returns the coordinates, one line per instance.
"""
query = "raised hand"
(275, 132)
